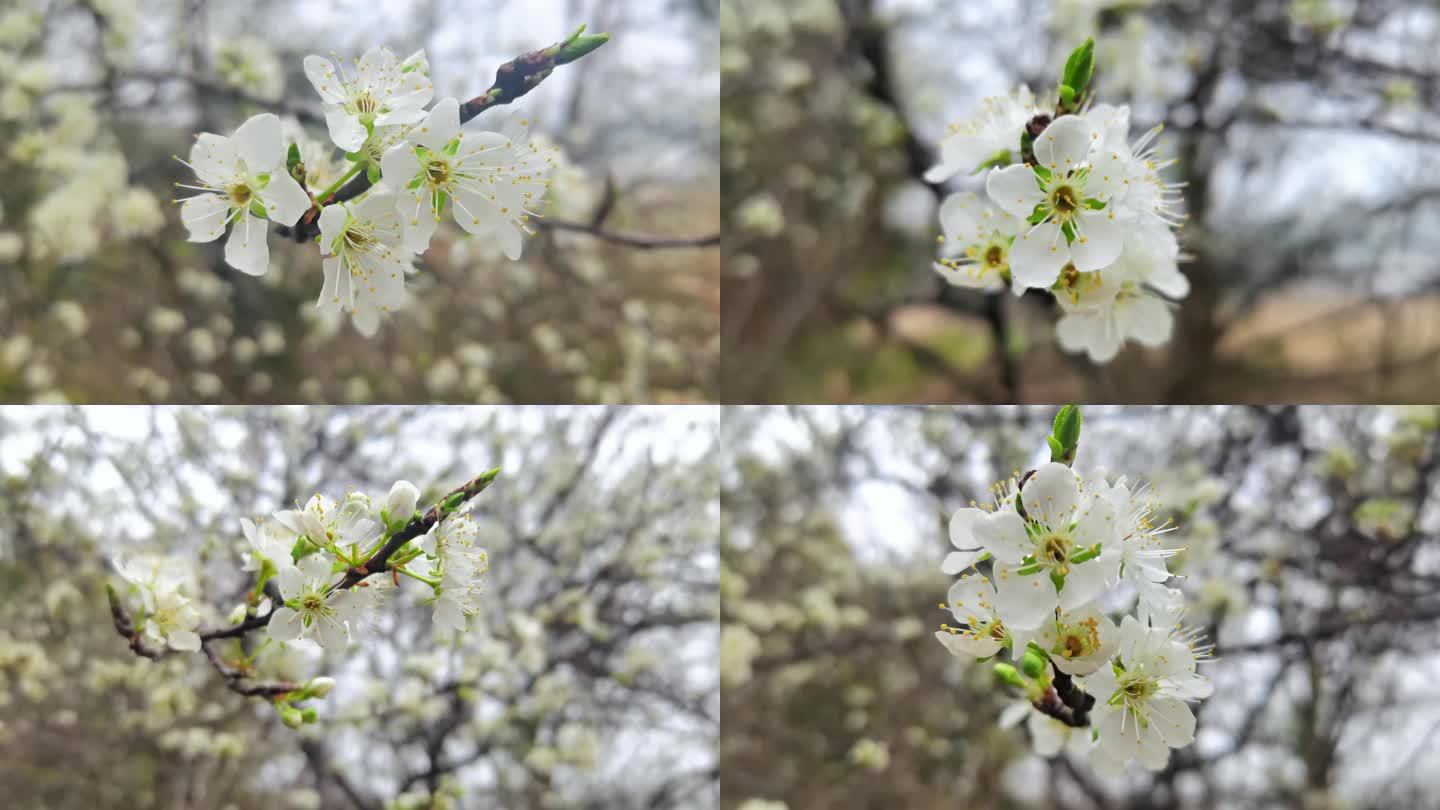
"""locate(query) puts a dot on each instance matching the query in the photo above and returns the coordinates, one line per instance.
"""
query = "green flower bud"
(291, 716)
(1033, 664)
(309, 715)
(1005, 673)
(320, 687)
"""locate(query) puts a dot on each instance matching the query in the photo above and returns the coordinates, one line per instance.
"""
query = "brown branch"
(235, 677)
(1066, 702)
(125, 626)
(512, 80)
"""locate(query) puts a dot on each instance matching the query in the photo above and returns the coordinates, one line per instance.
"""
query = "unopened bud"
(1033, 664)
(238, 614)
(309, 715)
(1005, 673)
(401, 503)
(320, 687)
(292, 717)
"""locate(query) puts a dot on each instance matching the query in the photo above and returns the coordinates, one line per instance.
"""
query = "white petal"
(1098, 242)
(285, 202)
(260, 143)
(961, 645)
(1096, 523)
(1083, 583)
(214, 159)
(1146, 319)
(957, 561)
(286, 624)
(331, 633)
(1003, 535)
(1052, 494)
(1023, 602)
(1089, 332)
(962, 528)
(332, 222)
(1066, 143)
(325, 80)
(1038, 255)
(204, 217)
(345, 129)
(1173, 720)
(247, 249)
(971, 599)
(399, 165)
(1165, 277)
(960, 218)
(315, 569)
(185, 640)
(1014, 189)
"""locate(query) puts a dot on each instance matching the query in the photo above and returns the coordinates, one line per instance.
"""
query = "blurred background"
(1305, 130)
(103, 300)
(587, 681)
(1310, 558)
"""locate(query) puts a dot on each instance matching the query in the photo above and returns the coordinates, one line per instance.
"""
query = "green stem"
(334, 187)
(434, 583)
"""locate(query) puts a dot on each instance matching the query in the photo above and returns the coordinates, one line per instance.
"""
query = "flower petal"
(1023, 602)
(260, 143)
(1003, 535)
(1146, 319)
(1098, 242)
(1038, 255)
(247, 249)
(1052, 495)
(184, 640)
(1014, 189)
(204, 217)
(214, 159)
(285, 201)
(1066, 143)
(286, 625)
(321, 73)
(346, 131)
(960, 218)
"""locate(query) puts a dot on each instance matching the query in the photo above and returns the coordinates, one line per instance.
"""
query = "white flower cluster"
(419, 162)
(1055, 543)
(306, 553)
(1086, 218)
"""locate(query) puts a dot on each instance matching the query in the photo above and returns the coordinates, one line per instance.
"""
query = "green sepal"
(1059, 580)
(1094, 205)
(414, 184)
(1043, 174)
(258, 209)
(1087, 555)
(292, 158)
(1039, 215)
(1000, 158)
(372, 173)
(354, 157)
(452, 148)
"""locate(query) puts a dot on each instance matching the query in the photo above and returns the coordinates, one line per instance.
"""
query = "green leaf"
(1079, 68)
(1067, 94)
(1066, 430)
(1057, 450)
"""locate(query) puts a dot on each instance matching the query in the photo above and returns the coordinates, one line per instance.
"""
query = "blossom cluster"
(305, 558)
(419, 163)
(1055, 545)
(1072, 207)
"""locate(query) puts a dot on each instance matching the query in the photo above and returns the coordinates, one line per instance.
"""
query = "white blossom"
(383, 91)
(242, 181)
(493, 181)
(994, 129)
(366, 265)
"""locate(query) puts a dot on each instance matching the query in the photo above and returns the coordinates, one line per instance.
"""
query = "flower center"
(994, 256)
(240, 194)
(358, 239)
(1056, 547)
(312, 602)
(1140, 688)
(1065, 200)
(437, 172)
(365, 104)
